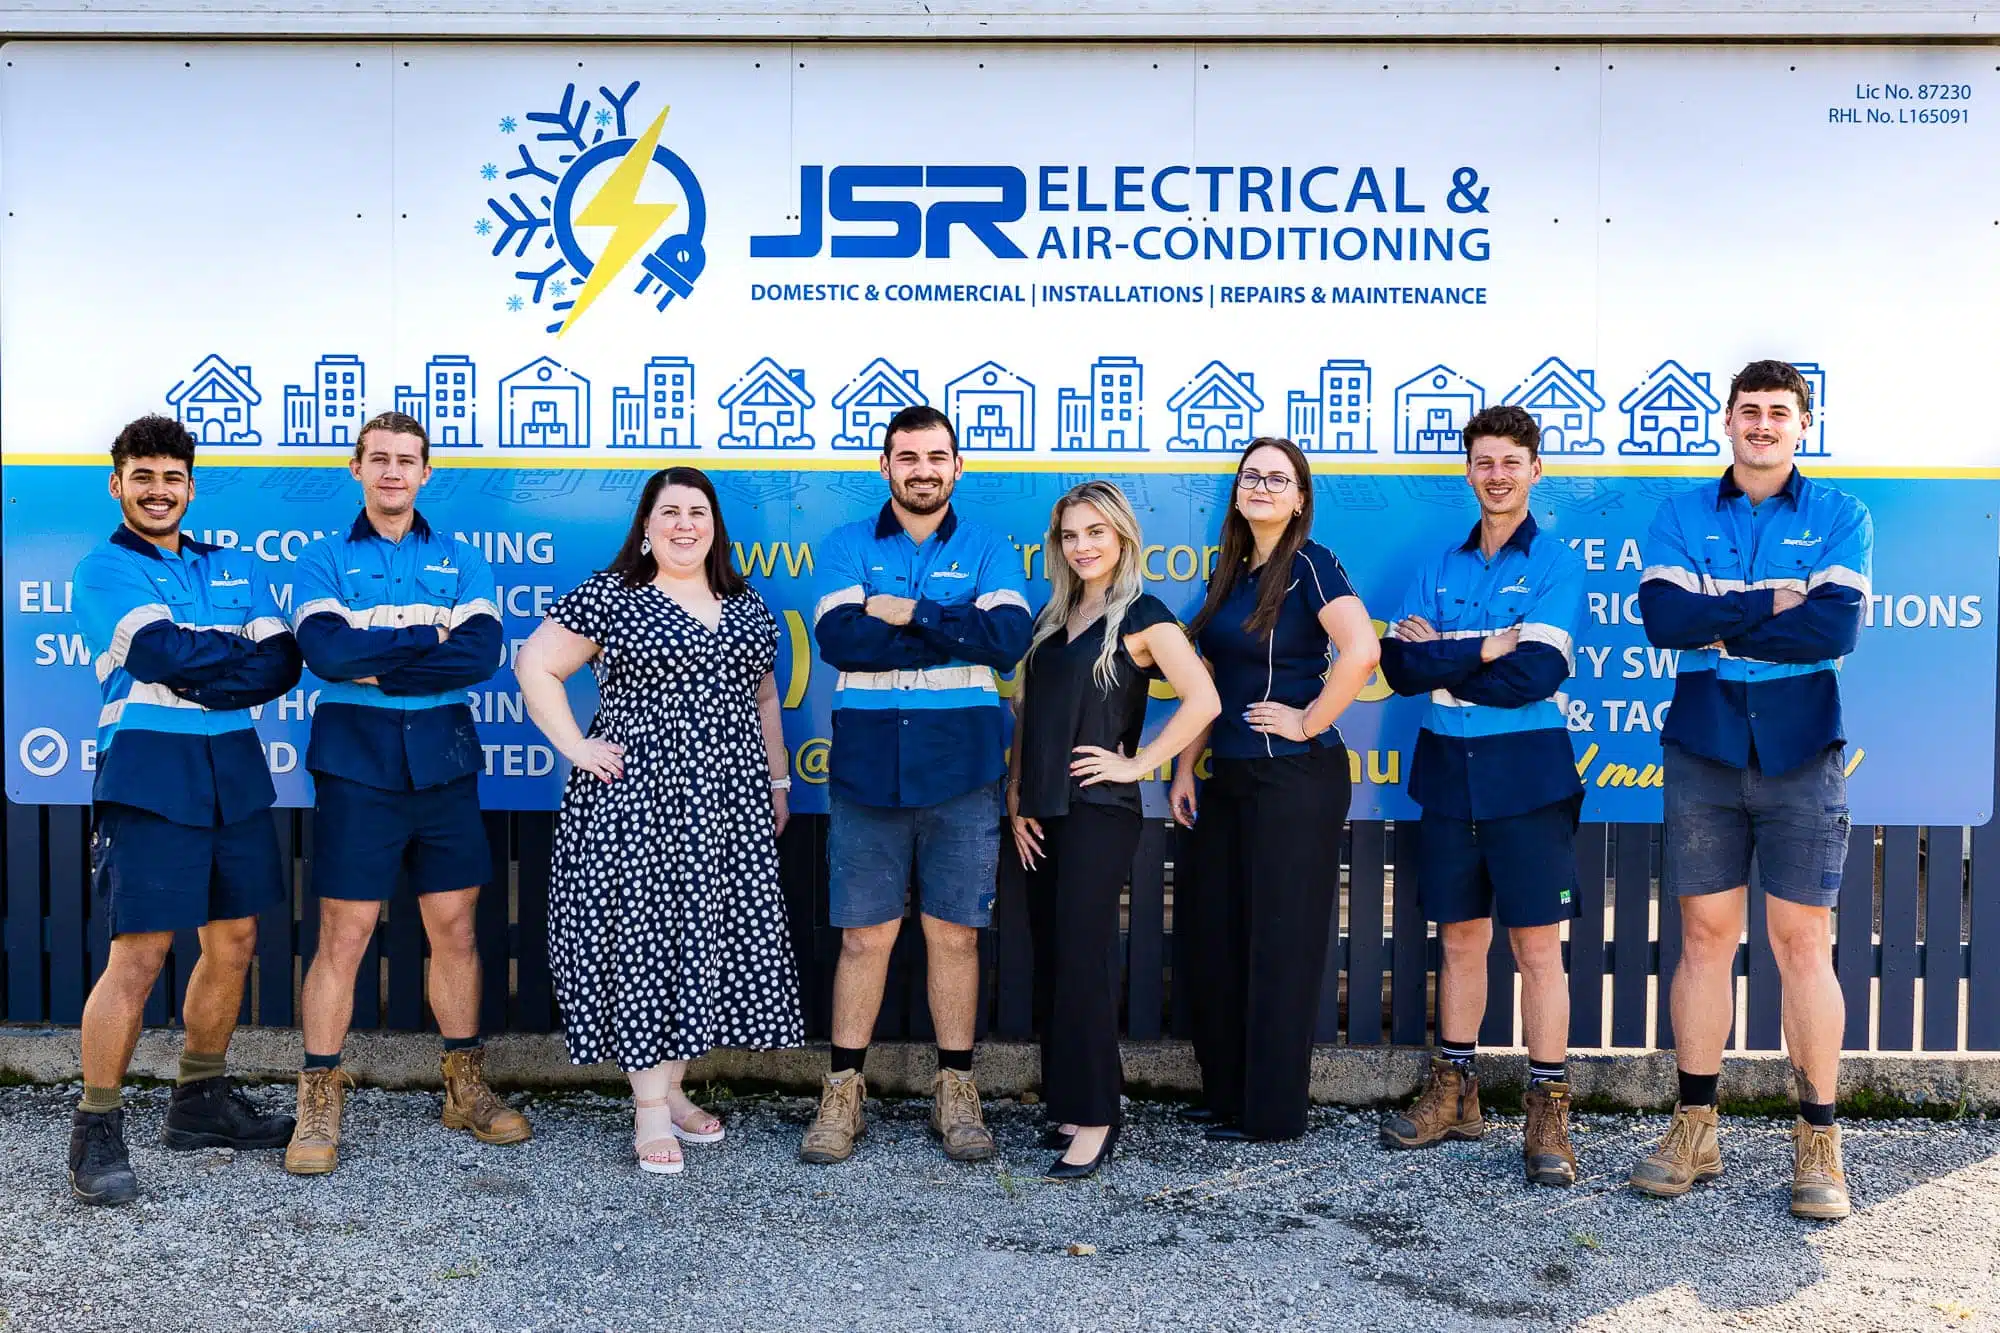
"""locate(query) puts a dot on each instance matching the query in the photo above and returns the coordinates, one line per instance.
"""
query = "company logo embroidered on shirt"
(229, 581)
(1517, 587)
(1803, 539)
(439, 569)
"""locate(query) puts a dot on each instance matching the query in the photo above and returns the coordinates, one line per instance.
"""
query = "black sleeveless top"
(1066, 707)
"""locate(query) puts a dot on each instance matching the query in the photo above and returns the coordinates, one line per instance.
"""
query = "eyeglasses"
(1277, 483)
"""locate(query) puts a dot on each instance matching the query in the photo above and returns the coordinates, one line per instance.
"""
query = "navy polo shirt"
(1287, 666)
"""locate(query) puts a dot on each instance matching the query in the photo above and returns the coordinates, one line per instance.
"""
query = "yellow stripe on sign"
(795, 630)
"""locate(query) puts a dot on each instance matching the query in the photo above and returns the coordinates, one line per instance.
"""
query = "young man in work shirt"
(400, 622)
(186, 638)
(926, 607)
(1488, 631)
(1758, 578)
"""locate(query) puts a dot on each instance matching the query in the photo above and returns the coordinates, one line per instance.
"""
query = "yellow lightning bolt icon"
(616, 205)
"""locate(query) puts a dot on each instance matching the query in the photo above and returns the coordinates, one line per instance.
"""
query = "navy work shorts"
(363, 835)
(955, 845)
(154, 874)
(1520, 869)
(1795, 822)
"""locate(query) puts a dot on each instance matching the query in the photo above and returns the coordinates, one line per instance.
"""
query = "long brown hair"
(1238, 545)
(635, 567)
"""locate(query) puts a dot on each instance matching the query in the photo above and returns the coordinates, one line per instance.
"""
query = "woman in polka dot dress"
(667, 930)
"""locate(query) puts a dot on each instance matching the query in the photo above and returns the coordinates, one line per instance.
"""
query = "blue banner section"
(1919, 691)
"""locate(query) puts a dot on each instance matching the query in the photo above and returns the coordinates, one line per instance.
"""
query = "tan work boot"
(1545, 1150)
(1447, 1109)
(957, 1119)
(1688, 1154)
(470, 1104)
(315, 1146)
(1819, 1186)
(830, 1138)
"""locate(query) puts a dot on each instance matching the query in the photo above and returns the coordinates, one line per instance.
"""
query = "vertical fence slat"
(1497, 1027)
(368, 983)
(1586, 942)
(1761, 1017)
(24, 914)
(403, 944)
(275, 944)
(1944, 890)
(1409, 972)
(66, 900)
(1982, 1021)
(1896, 1029)
(1146, 924)
(1367, 848)
(1669, 958)
(489, 923)
(1014, 957)
(1854, 922)
(534, 999)
(97, 925)
(1179, 942)
(1631, 927)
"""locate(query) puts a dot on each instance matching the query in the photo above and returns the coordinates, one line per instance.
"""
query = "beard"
(921, 506)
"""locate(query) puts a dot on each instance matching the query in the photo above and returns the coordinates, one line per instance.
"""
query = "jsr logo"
(920, 225)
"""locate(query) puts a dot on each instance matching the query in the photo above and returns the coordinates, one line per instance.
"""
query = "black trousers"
(1264, 877)
(1073, 921)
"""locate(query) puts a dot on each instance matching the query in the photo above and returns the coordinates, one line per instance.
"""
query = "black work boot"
(99, 1169)
(214, 1113)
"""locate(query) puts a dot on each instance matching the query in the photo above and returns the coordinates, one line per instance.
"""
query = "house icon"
(1812, 444)
(1336, 419)
(1215, 412)
(868, 402)
(1564, 403)
(1670, 413)
(1432, 409)
(214, 403)
(766, 409)
(991, 408)
(544, 405)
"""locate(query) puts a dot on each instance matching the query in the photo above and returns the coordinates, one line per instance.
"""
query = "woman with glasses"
(1073, 795)
(1290, 645)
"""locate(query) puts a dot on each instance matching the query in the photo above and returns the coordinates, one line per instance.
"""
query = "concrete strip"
(1342, 1075)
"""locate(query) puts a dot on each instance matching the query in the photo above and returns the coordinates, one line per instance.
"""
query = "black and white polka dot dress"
(667, 931)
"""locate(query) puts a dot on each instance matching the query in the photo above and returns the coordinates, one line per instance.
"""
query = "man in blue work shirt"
(399, 621)
(1758, 578)
(926, 607)
(1488, 631)
(185, 638)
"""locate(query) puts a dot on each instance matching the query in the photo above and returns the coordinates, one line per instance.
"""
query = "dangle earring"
(645, 546)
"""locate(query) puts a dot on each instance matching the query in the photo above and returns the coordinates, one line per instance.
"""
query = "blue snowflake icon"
(558, 287)
(603, 116)
(508, 124)
(515, 304)
(483, 227)
(489, 172)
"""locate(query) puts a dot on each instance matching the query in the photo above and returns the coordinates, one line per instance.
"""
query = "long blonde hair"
(1066, 589)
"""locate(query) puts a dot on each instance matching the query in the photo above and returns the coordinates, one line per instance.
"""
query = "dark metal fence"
(1918, 941)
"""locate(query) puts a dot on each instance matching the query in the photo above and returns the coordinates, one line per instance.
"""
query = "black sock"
(959, 1060)
(1541, 1073)
(1698, 1089)
(1817, 1113)
(459, 1044)
(1458, 1053)
(846, 1058)
(322, 1061)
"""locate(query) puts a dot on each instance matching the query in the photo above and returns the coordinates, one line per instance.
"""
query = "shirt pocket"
(438, 587)
(1791, 567)
(1722, 568)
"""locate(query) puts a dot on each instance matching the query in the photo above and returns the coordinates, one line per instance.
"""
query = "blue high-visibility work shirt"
(184, 645)
(1494, 742)
(1769, 694)
(367, 607)
(916, 711)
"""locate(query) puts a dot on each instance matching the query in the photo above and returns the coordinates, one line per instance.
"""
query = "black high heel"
(1198, 1115)
(1053, 1137)
(1063, 1170)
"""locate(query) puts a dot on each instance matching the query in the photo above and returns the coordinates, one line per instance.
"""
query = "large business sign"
(578, 264)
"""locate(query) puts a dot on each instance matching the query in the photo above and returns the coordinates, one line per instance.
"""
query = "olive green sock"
(96, 1101)
(195, 1067)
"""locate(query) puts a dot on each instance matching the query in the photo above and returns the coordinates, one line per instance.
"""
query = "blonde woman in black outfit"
(1073, 795)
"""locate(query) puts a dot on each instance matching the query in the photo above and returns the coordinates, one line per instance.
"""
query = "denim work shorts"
(955, 846)
(1795, 822)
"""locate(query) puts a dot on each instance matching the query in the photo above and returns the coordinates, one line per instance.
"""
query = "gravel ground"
(425, 1229)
